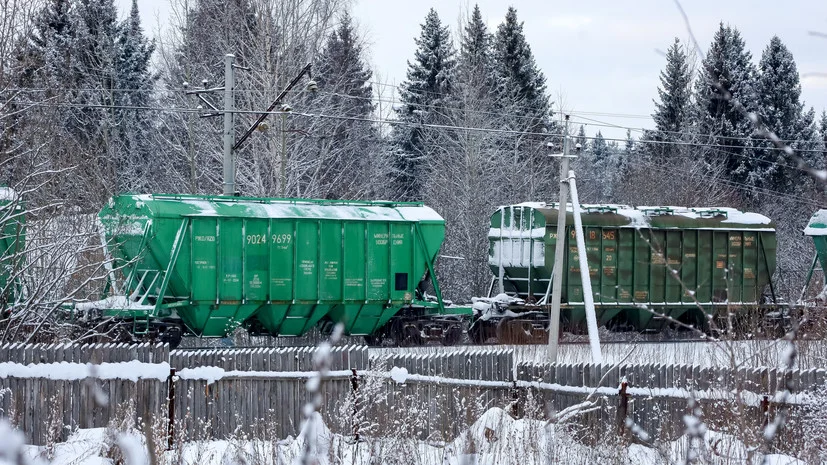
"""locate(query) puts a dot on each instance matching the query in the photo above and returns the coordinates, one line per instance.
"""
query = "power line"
(733, 184)
(392, 122)
(590, 121)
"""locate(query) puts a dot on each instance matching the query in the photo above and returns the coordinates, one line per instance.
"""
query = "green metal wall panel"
(609, 289)
(378, 266)
(735, 266)
(307, 261)
(641, 273)
(230, 239)
(282, 260)
(204, 259)
(401, 255)
(706, 265)
(330, 279)
(625, 264)
(751, 267)
(689, 266)
(256, 259)
(354, 262)
(574, 283)
(12, 245)
(657, 269)
(720, 281)
(674, 255)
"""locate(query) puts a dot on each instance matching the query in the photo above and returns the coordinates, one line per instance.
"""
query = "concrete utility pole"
(588, 298)
(230, 142)
(560, 249)
(229, 116)
(567, 183)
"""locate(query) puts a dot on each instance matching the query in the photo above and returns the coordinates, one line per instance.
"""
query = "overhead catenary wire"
(544, 135)
(578, 114)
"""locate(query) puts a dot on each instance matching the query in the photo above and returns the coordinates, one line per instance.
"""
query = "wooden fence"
(261, 392)
(49, 390)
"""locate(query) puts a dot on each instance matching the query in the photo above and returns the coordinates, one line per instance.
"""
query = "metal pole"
(283, 180)
(557, 273)
(588, 298)
(229, 136)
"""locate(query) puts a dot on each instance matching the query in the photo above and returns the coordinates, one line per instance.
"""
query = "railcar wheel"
(411, 336)
(452, 335)
(477, 333)
(172, 335)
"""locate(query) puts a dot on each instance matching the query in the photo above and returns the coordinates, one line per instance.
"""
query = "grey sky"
(599, 56)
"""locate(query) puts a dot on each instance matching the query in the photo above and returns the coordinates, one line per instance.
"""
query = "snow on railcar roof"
(297, 208)
(7, 194)
(817, 225)
(640, 216)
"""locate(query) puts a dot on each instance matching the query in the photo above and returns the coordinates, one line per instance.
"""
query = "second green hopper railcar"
(12, 245)
(644, 263)
(213, 263)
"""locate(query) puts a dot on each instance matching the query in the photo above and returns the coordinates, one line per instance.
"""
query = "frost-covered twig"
(321, 361)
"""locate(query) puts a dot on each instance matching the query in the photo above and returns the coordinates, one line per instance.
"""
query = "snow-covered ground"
(495, 438)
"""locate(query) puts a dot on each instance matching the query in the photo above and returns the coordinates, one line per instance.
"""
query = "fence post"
(354, 389)
(171, 409)
(622, 408)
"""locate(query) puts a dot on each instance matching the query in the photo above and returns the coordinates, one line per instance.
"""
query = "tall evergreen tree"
(73, 51)
(520, 80)
(599, 150)
(727, 74)
(780, 109)
(344, 78)
(522, 96)
(629, 146)
(426, 89)
(474, 65)
(672, 111)
(822, 128)
(468, 163)
(581, 139)
(134, 82)
(342, 70)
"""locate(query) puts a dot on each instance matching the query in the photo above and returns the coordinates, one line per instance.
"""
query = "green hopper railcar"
(12, 245)
(817, 229)
(647, 264)
(279, 266)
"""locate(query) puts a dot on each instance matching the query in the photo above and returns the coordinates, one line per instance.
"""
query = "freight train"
(206, 265)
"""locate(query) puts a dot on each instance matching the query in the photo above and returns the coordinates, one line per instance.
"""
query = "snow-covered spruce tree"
(134, 84)
(68, 61)
(780, 108)
(465, 173)
(81, 60)
(423, 96)
(526, 108)
(580, 139)
(822, 130)
(672, 111)
(348, 163)
(726, 73)
(665, 149)
(597, 170)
